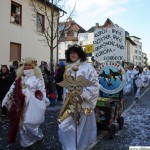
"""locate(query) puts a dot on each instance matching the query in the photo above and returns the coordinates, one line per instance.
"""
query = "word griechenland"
(109, 44)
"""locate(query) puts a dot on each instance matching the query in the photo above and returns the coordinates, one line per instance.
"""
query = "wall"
(26, 34)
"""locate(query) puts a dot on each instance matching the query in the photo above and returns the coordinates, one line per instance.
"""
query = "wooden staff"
(76, 123)
(76, 114)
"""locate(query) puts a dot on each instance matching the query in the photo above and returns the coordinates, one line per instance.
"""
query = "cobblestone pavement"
(50, 131)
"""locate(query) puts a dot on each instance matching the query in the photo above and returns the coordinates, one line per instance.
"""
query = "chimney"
(70, 19)
(97, 25)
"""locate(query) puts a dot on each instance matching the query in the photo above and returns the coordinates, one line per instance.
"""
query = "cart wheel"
(112, 131)
(120, 121)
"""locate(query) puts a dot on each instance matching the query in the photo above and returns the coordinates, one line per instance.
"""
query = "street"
(136, 130)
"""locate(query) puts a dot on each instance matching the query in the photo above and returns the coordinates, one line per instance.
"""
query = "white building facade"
(137, 51)
(63, 46)
(21, 29)
(144, 59)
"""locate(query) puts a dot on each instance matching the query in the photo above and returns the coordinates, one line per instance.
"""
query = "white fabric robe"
(137, 76)
(128, 88)
(87, 130)
(148, 75)
(30, 133)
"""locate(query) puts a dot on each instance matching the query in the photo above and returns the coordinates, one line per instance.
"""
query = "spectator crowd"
(54, 92)
(136, 78)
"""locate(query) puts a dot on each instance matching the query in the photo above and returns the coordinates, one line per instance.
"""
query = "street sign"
(109, 44)
(89, 48)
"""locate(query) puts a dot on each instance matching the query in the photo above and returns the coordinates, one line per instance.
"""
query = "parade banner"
(109, 44)
(112, 77)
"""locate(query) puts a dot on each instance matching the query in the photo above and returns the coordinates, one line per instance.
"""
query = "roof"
(136, 37)
(50, 4)
(92, 29)
(108, 23)
(69, 25)
(129, 39)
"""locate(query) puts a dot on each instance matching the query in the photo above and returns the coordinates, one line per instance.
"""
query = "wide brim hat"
(73, 48)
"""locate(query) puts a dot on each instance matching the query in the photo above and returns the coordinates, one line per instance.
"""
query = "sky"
(131, 15)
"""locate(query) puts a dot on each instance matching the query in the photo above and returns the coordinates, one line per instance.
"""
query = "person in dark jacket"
(59, 78)
(6, 79)
(13, 68)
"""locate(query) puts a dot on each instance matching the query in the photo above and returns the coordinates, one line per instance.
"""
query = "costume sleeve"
(41, 87)
(91, 93)
(7, 99)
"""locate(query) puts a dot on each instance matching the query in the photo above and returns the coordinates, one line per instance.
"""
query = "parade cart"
(108, 111)
(110, 103)
(109, 51)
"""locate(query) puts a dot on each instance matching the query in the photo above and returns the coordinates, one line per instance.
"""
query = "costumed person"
(26, 102)
(137, 82)
(77, 123)
(148, 74)
(128, 88)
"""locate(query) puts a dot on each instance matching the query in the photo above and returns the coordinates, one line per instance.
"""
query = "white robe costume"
(128, 88)
(148, 75)
(137, 77)
(29, 125)
(86, 130)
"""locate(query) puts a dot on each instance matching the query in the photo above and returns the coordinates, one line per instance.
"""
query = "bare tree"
(51, 32)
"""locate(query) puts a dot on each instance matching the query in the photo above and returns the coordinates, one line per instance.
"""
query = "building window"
(75, 34)
(40, 23)
(16, 13)
(15, 51)
(139, 46)
(83, 37)
(70, 33)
